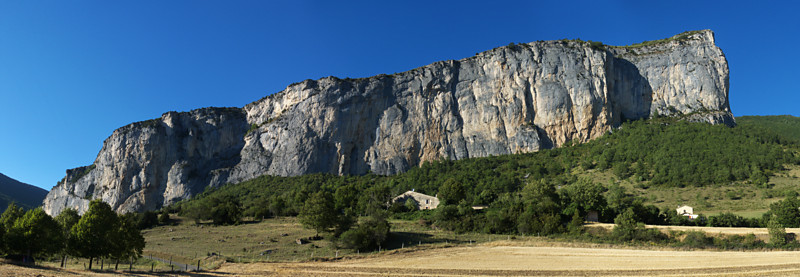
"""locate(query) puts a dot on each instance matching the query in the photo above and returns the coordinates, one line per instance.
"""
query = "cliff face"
(147, 164)
(514, 99)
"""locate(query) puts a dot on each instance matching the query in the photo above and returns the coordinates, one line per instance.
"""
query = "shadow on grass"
(59, 271)
(399, 240)
(177, 273)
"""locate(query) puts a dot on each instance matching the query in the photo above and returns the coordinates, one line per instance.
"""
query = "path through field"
(540, 261)
(708, 230)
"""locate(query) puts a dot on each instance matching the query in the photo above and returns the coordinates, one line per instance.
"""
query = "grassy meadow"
(741, 197)
(274, 240)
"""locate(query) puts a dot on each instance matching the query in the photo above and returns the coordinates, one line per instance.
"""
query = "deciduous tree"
(318, 212)
(91, 237)
(12, 213)
(35, 234)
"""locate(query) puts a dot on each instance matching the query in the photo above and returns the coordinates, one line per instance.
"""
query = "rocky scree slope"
(512, 99)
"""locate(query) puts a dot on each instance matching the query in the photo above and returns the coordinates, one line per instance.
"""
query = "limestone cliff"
(513, 99)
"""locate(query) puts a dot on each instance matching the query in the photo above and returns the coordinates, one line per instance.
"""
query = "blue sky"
(73, 71)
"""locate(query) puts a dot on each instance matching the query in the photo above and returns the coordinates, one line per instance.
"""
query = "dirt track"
(709, 230)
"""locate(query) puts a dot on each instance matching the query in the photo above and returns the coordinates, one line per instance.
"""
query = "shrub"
(777, 234)
(163, 218)
(696, 239)
(368, 235)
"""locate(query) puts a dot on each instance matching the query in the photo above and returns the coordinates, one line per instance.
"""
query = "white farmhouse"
(686, 211)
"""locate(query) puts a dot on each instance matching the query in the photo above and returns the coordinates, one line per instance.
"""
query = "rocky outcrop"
(513, 99)
(147, 164)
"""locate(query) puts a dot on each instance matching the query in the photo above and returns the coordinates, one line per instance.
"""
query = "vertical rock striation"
(514, 99)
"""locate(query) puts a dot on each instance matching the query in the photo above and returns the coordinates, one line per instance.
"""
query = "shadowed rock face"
(513, 99)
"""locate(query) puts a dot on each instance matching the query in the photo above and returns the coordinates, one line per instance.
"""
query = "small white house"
(424, 201)
(686, 211)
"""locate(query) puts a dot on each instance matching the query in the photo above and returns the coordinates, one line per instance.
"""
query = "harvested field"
(504, 259)
(488, 260)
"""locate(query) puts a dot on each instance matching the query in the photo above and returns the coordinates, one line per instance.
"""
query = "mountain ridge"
(512, 99)
(22, 194)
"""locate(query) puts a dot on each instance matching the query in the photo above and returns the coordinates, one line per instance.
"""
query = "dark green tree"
(10, 215)
(542, 210)
(2, 238)
(786, 212)
(627, 228)
(368, 235)
(127, 242)
(451, 192)
(319, 213)
(66, 219)
(575, 225)
(35, 234)
(163, 217)
(777, 233)
(221, 209)
(94, 233)
(277, 205)
(583, 196)
(727, 219)
(226, 211)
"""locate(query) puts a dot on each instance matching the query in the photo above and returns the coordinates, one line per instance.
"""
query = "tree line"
(99, 233)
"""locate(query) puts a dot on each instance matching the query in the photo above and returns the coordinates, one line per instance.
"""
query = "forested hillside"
(22, 194)
(657, 153)
(786, 125)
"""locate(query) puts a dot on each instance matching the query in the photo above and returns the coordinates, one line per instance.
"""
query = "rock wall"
(513, 99)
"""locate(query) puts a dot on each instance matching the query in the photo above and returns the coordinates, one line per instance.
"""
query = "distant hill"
(23, 194)
(785, 125)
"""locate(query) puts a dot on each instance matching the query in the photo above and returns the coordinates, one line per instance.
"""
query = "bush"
(368, 235)
(163, 218)
(222, 210)
(736, 242)
(727, 220)
(628, 229)
(696, 239)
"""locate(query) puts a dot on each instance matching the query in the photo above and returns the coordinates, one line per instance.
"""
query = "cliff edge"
(513, 99)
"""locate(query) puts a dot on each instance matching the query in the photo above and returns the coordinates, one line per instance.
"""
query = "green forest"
(535, 193)
(99, 233)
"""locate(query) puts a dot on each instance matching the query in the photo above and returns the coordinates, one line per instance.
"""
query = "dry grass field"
(741, 198)
(497, 259)
(500, 258)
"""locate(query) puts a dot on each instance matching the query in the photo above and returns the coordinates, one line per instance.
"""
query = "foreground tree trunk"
(90, 262)
(116, 266)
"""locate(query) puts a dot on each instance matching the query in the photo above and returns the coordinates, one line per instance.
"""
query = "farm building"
(424, 201)
(686, 211)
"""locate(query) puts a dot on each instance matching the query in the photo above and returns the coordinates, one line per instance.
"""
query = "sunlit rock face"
(513, 99)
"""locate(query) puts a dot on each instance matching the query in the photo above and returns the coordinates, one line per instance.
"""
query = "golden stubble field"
(490, 256)
(503, 258)
(496, 259)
